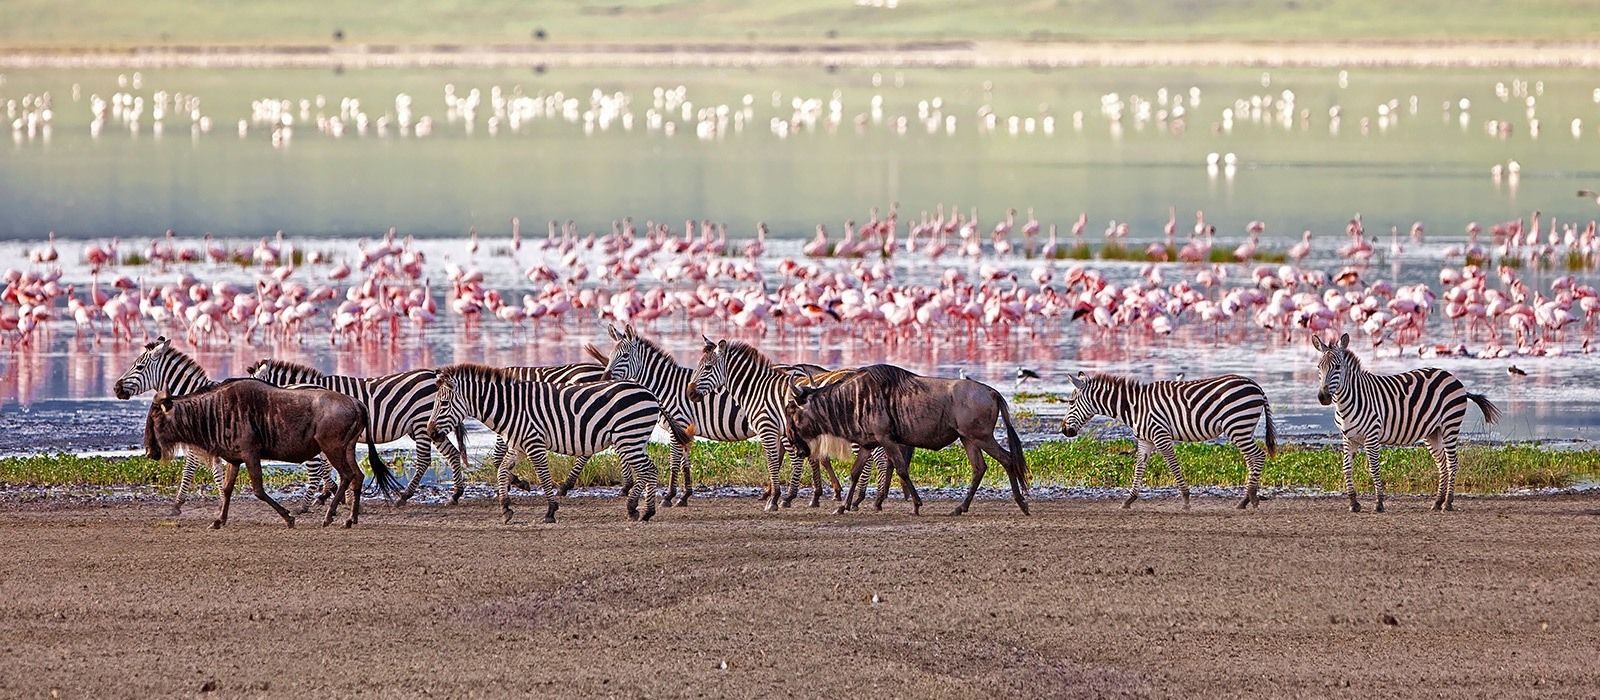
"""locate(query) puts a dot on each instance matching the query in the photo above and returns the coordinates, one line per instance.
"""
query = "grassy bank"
(116, 23)
(1081, 463)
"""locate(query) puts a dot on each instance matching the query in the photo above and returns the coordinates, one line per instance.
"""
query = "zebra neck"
(1121, 405)
(667, 380)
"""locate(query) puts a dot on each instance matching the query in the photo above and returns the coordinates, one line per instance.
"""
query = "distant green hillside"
(104, 23)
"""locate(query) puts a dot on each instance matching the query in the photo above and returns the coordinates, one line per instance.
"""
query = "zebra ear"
(631, 333)
(613, 331)
(1080, 381)
(709, 345)
(1316, 342)
(1344, 341)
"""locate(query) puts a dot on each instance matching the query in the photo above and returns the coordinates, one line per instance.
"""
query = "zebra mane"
(654, 347)
(475, 371)
(739, 351)
(1115, 380)
(185, 363)
(294, 367)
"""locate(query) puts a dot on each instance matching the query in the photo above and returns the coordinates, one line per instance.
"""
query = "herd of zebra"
(875, 416)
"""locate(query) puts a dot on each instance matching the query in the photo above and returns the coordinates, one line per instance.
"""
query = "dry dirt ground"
(721, 600)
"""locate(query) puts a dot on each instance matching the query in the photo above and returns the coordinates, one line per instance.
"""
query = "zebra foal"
(1163, 413)
(1373, 410)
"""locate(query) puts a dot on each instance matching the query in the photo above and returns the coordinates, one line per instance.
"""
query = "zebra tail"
(1272, 432)
(1491, 412)
(680, 434)
(1018, 464)
(595, 353)
(380, 471)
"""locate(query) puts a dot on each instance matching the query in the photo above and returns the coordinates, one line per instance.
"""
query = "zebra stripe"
(714, 417)
(576, 373)
(1163, 413)
(1373, 410)
(398, 405)
(537, 418)
(162, 368)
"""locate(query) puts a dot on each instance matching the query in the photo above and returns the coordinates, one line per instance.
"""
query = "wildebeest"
(243, 421)
(889, 407)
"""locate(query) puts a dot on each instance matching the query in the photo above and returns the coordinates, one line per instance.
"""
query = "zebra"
(537, 418)
(162, 368)
(398, 405)
(762, 388)
(575, 373)
(1164, 412)
(1372, 410)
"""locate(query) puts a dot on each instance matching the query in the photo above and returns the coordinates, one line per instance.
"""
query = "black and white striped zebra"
(762, 388)
(1163, 413)
(537, 418)
(1373, 410)
(162, 368)
(398, 405)
(576, 373)
(713, 417)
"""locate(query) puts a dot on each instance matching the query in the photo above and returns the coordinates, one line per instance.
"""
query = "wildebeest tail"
(1272, 430)
(1017, 466)
(1491, 412)
(380, 472)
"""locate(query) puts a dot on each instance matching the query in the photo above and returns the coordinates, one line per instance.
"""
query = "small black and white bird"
(1590, 194)
(1516, 371)
(1178, 377)
(1023, 374)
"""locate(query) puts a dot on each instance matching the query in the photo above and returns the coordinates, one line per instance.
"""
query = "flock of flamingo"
(885, 278)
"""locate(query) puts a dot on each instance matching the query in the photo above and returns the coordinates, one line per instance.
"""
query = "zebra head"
(448, 407)
(147, 371)
(1334, 369)
(1081, 407)
(627, 362)
(711, 375)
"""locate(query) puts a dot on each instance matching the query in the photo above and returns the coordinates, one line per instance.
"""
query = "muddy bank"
(718, 600)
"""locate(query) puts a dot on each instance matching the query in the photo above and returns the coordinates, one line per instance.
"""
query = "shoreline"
(830, 55)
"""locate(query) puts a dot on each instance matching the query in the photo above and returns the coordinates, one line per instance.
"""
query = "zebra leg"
(540, 458)
(1140, 459)
(816, 482)
(1350, 447)
(458, 468)
(231, 473)
(684, 501)
(1254, 459)
(1455, 464)
(1170, 454)
(576, 471)
(1372, 466)
(502, 485)
(253, 468)
(646, 481)
(424, 458)
(796, 470)
(191, 463)
(772, 445)
(313, 491)
(1436, 446)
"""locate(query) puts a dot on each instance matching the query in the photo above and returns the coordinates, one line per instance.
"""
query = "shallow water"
(325, 192)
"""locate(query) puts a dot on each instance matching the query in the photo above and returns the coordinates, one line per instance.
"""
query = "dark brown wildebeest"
(243, 421)
(888, 407)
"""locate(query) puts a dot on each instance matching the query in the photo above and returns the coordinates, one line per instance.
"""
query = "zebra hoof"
(788, 502)
(667, 503)
(839, 510)
(770, 507)
(1243, 504)
(684, 502)
(175, 511)
(507, 518)
(349, 523)
(648, 514)
(1355, 507)
(1379, 507)
(1451, 507)
(815, 503)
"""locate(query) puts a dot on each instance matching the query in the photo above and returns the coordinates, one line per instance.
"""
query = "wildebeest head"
(711, 374)
(1334, 368)
(801, 421)
(1080, 407)
(145, 373)
(158, 437)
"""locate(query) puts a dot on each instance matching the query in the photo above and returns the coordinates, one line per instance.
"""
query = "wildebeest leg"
(1140, 460)
(900, 459)
(350, 478)
(979, 467)
(833, 478)
(576, 471)
(252, 467)
(1002, 455)
(855, 483)
(228, 477)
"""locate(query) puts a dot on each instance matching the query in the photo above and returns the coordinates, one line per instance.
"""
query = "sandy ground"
(720, 600)
(879, 54)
